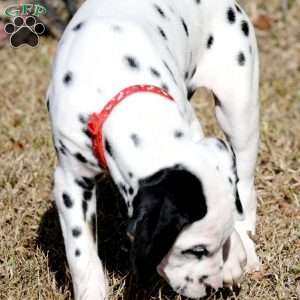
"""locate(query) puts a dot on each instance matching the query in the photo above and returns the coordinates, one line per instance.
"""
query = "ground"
(32, 261)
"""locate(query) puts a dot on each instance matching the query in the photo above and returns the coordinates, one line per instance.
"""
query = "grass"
(32, 260)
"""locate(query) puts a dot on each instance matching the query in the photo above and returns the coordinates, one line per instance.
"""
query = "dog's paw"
(94, 290)
(235, 260)
(92, 284)
(253, 263)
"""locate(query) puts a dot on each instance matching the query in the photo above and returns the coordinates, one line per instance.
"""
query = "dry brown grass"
(32, 262)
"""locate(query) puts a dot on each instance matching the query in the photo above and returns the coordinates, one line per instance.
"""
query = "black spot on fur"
(62, 148)
(186, 75)
(136, 140)
(108, 147)
(67, 200)
(231, 15)
(159, 10)
(162, 33)
(186, 30)
(178, 134)
(238, 9)
(86, 183)
(241, 59)
(165, 87)
(132, 62)
(56, 151)
(87, 195)
(198, 1)
(87, 132)
(62, 151)
(190, 92)
(170, 71)
(238, 203)
(217, 100)
(78, 26)
(80, 158)
(84, 208)
(93, 226)
(82, 119)
(210, 41)
(130, 174)
(116, 28)
(77, 252)
(48, 105)
(245, 27)
(161, 210)
(76, 232)
(68, 78)
(155, 72)
(193, 72)
(230, 180)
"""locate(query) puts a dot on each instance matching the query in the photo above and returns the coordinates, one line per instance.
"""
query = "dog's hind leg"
(229, 67)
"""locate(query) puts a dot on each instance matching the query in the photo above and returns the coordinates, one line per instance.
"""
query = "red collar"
(96, 121)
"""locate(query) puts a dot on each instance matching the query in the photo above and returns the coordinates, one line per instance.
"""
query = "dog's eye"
(198, 251)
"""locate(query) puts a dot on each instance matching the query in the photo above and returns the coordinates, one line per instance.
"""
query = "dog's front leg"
(76, 202)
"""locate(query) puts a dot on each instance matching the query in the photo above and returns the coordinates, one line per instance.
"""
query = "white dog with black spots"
(191, 199)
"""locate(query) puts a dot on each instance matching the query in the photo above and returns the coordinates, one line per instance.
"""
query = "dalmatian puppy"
(118, 103)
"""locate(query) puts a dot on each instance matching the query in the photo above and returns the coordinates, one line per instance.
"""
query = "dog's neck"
(145, 127)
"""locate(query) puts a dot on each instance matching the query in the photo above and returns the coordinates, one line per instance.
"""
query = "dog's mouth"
(160, 270)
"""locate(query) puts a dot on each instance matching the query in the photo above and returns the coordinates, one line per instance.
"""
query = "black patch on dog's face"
(166, 202)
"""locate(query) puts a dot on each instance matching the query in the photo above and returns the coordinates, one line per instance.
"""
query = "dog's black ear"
(165, 203)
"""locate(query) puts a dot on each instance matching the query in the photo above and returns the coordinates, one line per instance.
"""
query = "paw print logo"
(24, 31)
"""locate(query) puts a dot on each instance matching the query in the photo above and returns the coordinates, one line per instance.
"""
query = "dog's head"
(183, 216)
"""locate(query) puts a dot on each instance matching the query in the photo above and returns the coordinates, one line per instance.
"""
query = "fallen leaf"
(263, 22)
